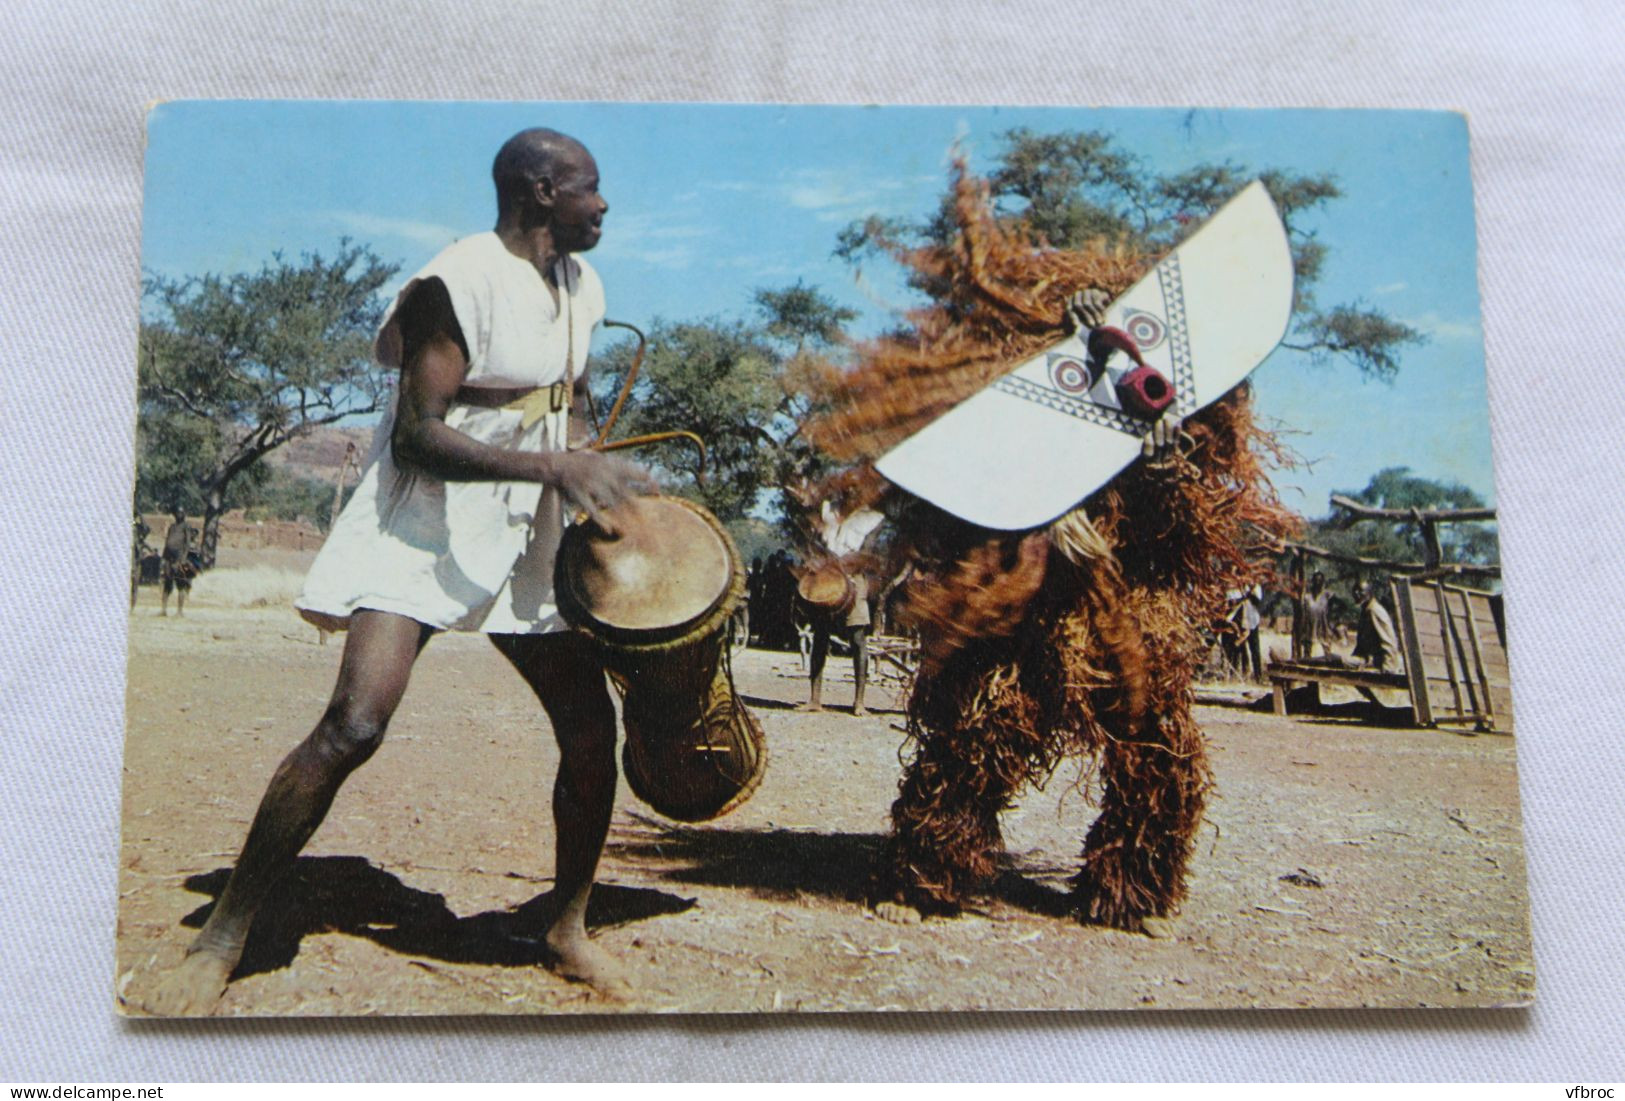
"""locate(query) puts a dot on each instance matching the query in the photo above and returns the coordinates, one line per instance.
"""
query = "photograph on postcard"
(598, 557)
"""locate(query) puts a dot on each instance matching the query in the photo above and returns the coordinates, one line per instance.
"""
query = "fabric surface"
(1542, 85)
(466, 556)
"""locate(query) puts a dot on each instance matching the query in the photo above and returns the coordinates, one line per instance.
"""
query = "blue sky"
(710, 202)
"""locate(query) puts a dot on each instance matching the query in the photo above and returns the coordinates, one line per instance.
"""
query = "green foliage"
(287, 346)
(714, 378)
(800, 315)
(1370, 338)
(285, 496)
(170, 449)
(1073, 187)
(1399, 541)
(740, 387)
(233, 366)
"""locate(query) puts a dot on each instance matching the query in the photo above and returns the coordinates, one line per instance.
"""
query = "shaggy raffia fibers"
(1079, 638)
(999, 299)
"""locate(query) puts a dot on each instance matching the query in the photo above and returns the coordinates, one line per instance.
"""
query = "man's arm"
(436, 360)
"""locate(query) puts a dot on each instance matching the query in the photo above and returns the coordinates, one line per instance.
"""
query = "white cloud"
(832, 195)
(648, 240)
(1391, 288)
(428, 234)
(1446, 329)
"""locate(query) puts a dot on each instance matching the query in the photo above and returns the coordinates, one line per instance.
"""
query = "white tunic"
(466, 556)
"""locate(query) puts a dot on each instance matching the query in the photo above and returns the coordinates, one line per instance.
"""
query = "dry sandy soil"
(418, 895)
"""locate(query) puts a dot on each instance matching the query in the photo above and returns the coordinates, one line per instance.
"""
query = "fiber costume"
(1079, 637)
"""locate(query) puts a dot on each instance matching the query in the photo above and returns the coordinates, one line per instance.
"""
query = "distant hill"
(318, 455)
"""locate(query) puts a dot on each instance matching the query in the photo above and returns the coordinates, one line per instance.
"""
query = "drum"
(656, 599)
(826, 590)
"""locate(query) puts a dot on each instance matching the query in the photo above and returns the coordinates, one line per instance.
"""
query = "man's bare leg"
(163, 600)
(569, 682)
(377, 661)
(860, 668)
(815, 668)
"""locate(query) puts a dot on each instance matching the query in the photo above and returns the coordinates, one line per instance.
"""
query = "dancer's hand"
(1087, 309)
(1159, 443)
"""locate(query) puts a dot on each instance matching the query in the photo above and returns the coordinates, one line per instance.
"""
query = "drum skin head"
(826, 588)
(668, 568)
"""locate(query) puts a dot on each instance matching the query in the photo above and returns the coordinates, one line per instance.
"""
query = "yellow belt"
(540, 402)
(532, 403)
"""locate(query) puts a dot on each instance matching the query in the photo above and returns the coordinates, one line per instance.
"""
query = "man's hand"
(1159, 443)
(1087, 309)
(595, 482)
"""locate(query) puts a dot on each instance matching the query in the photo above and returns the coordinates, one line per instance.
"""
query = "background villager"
(1313, 628)
(176, 570)
(853, 625)
(1376, 644)
(1241, 638)
(138, 550)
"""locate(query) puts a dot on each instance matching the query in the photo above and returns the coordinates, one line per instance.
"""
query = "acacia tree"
(713, 378)
(735, 384)
(1398, 489)
(1073, 187)
(233, 366)
(809, 327)
(799, 316)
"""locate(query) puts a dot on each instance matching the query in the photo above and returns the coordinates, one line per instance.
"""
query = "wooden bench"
(1284, 675)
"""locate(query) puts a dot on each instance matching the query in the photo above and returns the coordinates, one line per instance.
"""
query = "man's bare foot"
(898, 913)
(577, 958)
(192, 989)
(859, 710)
(809, 707)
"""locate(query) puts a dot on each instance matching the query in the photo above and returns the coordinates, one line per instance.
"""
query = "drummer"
(846, 541)
(854, 627)
(454, 527)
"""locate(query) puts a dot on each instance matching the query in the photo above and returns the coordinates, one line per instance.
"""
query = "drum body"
(826, 590)
(656, 600)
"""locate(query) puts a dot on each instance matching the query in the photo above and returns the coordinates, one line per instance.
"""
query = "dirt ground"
(418, 894)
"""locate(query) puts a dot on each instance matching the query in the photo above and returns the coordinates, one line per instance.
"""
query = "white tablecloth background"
(1544, 86)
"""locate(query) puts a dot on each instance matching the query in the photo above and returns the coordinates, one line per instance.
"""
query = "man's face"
(578, 208)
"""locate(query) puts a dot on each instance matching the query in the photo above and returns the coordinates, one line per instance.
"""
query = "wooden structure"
(1286, 675)
(1455, 655)
(1454, 643)
(1453, 638)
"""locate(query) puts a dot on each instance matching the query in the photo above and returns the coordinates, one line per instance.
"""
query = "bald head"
(529, 156)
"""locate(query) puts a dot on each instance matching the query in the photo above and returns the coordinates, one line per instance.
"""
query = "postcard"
(647, 558)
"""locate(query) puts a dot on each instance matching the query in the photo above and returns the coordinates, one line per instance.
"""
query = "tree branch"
(1410, 568)
(1413, 515)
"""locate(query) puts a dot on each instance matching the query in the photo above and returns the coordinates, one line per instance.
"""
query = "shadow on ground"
(347, 894)
(779, 864)
(1304, 704)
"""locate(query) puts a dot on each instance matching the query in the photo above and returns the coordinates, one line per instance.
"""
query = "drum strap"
(547, 400)
(532, 403)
